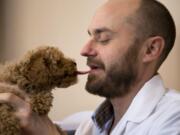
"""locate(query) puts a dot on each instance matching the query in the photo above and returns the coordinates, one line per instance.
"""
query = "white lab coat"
(155, 110)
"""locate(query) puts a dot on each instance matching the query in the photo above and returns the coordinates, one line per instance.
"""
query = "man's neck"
(121, 104)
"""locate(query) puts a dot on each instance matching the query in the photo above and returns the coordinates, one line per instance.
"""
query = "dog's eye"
(74, 63)
(59, 62)
(46, 62)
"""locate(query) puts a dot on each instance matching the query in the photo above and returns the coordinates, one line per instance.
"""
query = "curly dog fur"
(36, 74)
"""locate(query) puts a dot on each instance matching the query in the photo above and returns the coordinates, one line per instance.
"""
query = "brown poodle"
(39, 72)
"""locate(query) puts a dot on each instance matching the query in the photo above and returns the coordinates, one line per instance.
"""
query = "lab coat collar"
(146, 100)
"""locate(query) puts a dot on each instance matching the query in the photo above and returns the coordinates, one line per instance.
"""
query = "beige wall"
(170, 69)
(63, 23)
(2, 29)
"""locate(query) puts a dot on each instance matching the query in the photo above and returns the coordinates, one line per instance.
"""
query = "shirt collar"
(141, 107)
(103, 115)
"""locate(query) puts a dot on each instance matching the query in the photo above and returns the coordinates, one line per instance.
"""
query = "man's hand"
(30, 123)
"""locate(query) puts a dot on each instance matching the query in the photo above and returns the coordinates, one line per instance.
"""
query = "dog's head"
(46, 68)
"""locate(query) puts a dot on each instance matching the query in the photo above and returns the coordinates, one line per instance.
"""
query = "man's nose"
(89, 49)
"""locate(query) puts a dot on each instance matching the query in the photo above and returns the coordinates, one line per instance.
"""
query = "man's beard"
(118, 79)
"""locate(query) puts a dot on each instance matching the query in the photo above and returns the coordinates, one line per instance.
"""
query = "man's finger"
(6, 88)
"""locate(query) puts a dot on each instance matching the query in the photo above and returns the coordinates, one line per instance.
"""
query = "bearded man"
(129, 40)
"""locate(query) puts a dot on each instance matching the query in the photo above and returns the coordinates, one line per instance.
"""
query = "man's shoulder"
(167, 114)
(170, 102)
(172, 96)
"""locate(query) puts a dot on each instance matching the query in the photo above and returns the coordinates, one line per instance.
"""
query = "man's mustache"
(96, 62)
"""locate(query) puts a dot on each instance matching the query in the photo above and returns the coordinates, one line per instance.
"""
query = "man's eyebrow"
(99, 31)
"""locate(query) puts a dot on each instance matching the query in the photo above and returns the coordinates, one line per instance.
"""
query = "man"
(129, 40)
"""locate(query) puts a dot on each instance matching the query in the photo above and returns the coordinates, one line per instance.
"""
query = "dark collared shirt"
(103, 117)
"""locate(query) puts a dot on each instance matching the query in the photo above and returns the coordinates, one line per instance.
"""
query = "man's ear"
(153, 48)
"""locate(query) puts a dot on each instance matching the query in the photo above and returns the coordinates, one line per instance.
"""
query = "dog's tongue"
(82, 72)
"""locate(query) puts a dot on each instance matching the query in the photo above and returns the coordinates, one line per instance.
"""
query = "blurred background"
(27, 24)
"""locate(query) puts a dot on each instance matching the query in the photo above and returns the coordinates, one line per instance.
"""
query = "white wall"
(63, 23)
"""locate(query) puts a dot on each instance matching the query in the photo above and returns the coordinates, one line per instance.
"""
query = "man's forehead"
(111, 15)
(122, 7)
